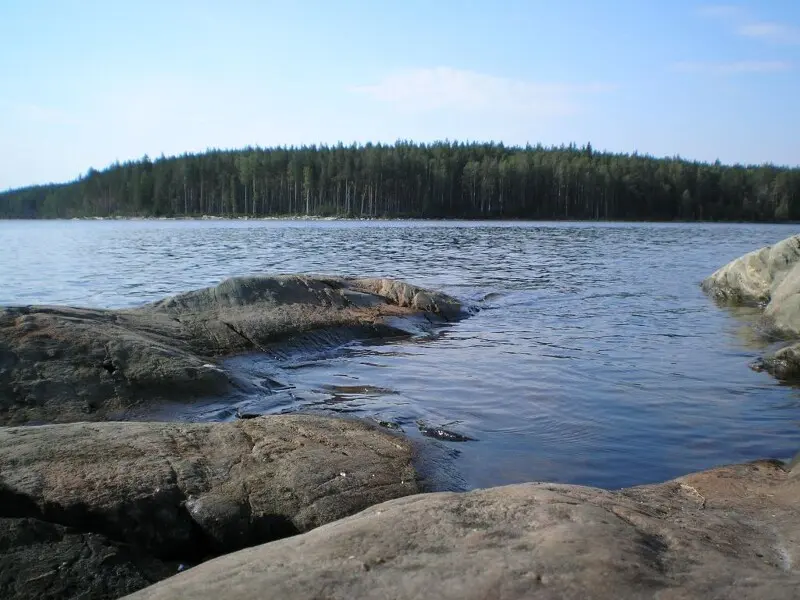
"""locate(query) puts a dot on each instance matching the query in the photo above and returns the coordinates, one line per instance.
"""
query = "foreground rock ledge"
(732, 532)
(70, 364)
(102, 509)
(769, 277)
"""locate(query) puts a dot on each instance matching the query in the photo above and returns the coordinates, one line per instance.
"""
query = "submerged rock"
(70, 364)
(389, 425)
(769, 277)
(165, 494)
(444, 435)
(732, 532)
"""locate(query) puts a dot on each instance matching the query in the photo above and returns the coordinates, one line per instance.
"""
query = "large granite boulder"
(754, 277)
(732, 532)
(770, 278)
(147, 496)
(70, 364)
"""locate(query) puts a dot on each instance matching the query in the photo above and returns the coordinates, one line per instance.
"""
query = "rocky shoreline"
(62, 364)
(305, 506)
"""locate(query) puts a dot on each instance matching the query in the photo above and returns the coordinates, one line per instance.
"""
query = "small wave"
(357, 390)
(492, 296)
(617, 295)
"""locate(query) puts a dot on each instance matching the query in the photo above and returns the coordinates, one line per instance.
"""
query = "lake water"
(594, 358)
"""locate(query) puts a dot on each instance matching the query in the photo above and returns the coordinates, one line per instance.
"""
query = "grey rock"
(783, 363)
(732, 532)
(70, 364)
(754, 277)
(186, 492)
(770, 278)
(442, 434)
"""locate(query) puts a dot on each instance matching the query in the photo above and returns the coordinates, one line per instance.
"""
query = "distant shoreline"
(399, 219)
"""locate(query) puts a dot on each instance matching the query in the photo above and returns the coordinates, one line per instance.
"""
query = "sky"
(85, 83)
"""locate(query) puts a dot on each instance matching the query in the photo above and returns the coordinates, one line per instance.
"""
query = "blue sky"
(85, 83)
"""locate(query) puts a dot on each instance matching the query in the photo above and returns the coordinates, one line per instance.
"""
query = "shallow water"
(594, 358)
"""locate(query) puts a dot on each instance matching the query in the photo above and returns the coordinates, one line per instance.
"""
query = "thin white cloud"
(720, 11)
(733, 68)
(744, 24)
(445, 88)
(776, 33)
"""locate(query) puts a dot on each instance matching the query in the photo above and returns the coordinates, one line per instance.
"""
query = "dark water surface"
(595, 358)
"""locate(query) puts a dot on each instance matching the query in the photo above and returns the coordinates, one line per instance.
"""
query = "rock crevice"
(165, 494)
(536, 541)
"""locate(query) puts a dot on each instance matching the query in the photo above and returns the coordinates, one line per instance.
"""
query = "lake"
(594, 357)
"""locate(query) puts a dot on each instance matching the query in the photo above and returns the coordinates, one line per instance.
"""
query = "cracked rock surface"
(120, 504)
(731, 532)
(60, 364)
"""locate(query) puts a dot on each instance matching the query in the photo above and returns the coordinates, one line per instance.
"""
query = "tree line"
(440, 180)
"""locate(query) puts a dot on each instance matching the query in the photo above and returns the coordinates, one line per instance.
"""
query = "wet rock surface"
(126, 502)
(731, 532)
(442, 434)
(769, 278)
(71, 364)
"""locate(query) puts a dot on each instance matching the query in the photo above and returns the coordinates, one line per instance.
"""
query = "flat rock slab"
(732, 532)
(62, 364)
(770, 278)
(181, 493)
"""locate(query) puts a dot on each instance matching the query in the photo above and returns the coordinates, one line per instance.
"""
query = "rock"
(186, 492)
(769, 277)
(246, 415)
(441, 434)
(783, 364)
(40, 560)
(71, 364)
(390, 425)
(732, 532)
(754, 277)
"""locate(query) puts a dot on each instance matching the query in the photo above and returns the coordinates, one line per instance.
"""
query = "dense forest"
(439, 180)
